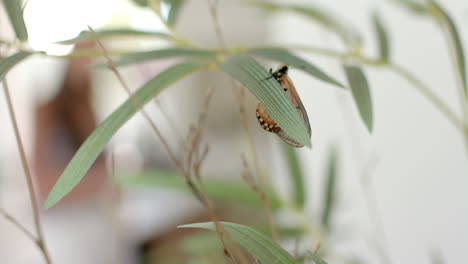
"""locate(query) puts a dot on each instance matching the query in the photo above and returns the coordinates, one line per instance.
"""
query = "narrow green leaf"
(116, 32)
(361, 93)
(382, 38)
(286, 57)
(296, 175)
(416, 7)
(165, 53)
(454, 40)
(343, 29)
(270, 94)
(176, 5)
(142, 3)
(96, 142)
(8, 63)
(330, 189)
(14, 10)
(317, 260)
(257, 244)
(228, 191)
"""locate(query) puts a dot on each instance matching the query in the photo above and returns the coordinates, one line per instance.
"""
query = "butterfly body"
(264, 118)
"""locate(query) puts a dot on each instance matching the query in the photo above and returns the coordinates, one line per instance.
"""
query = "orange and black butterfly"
(264, 118)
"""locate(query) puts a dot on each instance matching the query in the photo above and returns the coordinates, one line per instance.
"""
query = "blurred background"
(400, 191)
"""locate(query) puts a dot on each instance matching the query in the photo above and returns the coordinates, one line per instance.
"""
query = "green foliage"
(382, 38)
(284, 56)
(454, 41)
(15, 13)
(361, 93)
(165, 53)
(342, 28)
(268, 91)
(114, 33)
(95, 143)
(228, 191)
(297, 178)
(8, 63)
(330, 189)
(257, 244)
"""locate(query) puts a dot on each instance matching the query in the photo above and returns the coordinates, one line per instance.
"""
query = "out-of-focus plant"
(239, 62)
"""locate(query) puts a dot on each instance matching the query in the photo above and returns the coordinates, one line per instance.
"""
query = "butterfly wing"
(286, 83)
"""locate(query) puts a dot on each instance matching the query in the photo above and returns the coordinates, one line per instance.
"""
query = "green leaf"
(96, 142)
(165, 53)
(361, 93)
(8, 63)
(330, 189)
(317, 260)
(14, 10)
(296, 175)
(416, 7)
(176, 5)
(116, 32)
(228, 191)
(257, 244)
(270, 94)
(142, 3)
(454, 41)
(382, 38)
(342, 28)
(286, 57)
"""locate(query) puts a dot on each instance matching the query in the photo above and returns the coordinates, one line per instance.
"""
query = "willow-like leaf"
(228, 191)
(414, 6)
(95, 143)
(14, 9)
(174, 11)
(382, 38)
(116, 32)
(165, 53)
(297, 178)
(330, 189)
(8, 63)
(361, 93)
(257, 244)
(343, 29)
(286, 57)
(270, 94)
(454, 40)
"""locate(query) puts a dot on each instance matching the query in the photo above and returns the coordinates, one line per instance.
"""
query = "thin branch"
(27, 171)
(16, 223)
(249, 179)
(443, 108)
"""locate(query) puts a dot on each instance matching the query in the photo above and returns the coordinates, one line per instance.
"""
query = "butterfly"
(264, 118)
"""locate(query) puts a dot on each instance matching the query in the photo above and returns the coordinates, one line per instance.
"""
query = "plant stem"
(429, 95)
(16, 223)
(32, 194)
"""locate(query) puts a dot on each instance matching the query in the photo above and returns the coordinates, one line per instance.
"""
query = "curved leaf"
(257, 244)
(176, 5)
(95, 143)
(361, 93)
(330, 193)
(115, 32)
(455, 42)
(382, 38)
(270, 94)
(296, 175)
(164, 53)
(342, 28)
(14, 10)
(8, 63)
(286, 57)
(229, 191)
(417, 7)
